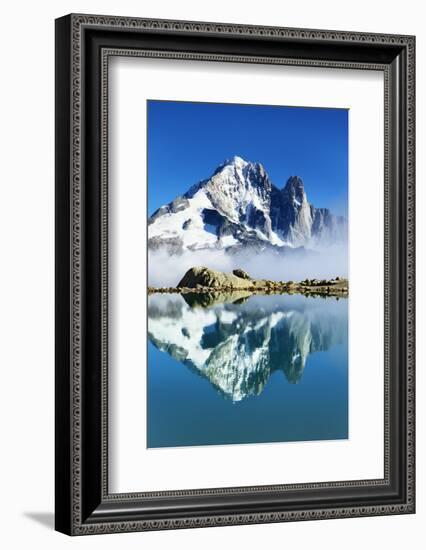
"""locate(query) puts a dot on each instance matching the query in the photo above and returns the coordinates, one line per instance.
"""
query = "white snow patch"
(227, 317)
(228, 240)
(196, 236)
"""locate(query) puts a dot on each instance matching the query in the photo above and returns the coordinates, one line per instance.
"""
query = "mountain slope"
(238, 207)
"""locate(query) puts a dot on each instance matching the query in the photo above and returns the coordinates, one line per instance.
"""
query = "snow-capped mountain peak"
(239, 207)
(234, 161)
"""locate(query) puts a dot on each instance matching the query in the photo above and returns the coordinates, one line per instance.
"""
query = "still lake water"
(246, 369)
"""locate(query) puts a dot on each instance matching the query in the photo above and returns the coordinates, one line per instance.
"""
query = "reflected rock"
(209, 299)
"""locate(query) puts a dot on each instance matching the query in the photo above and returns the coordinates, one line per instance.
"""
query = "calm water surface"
(226, 369)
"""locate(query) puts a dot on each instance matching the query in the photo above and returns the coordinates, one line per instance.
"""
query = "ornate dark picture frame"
(84, 44)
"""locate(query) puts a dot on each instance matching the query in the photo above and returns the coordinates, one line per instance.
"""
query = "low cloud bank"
(166, 270)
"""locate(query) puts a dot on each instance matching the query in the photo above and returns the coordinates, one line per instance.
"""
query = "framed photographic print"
(234, 274)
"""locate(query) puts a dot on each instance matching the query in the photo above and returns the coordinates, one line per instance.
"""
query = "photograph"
(234, 273)
(248, 273)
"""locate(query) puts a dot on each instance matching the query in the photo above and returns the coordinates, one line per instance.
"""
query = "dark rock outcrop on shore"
(210, 278)
(241, 274)
(205, 280)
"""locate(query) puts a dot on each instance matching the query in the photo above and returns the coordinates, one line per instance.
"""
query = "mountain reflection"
(237, 342)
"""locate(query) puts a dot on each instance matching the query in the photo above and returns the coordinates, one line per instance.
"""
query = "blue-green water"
(248, 370)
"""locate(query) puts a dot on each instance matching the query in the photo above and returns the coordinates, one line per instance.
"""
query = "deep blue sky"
(187, 141)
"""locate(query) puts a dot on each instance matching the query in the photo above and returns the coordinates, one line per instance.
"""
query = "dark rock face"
(177, 205)
(241, 274)
(212, 217)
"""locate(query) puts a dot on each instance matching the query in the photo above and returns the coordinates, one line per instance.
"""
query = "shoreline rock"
(205, 280)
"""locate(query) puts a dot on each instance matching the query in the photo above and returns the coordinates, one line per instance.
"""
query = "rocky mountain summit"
(239, 208)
